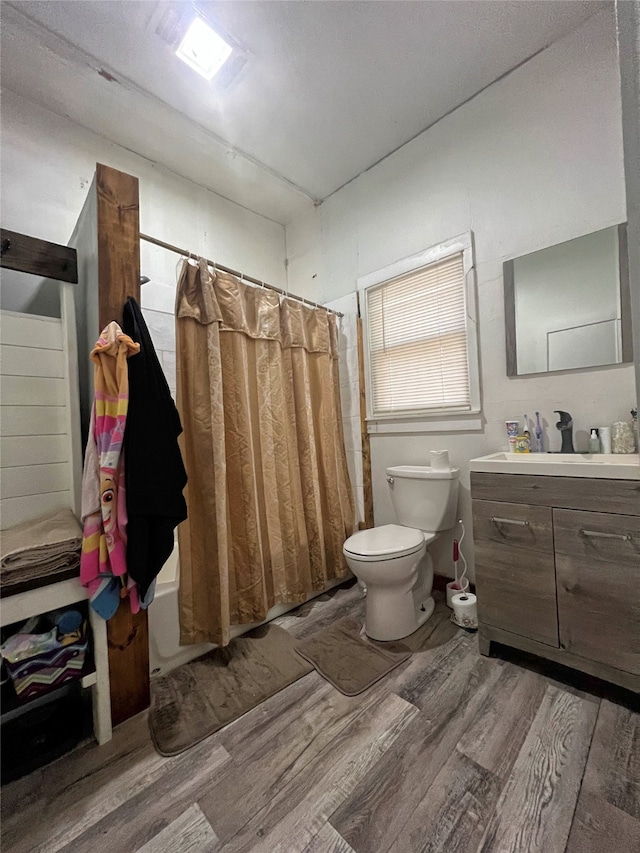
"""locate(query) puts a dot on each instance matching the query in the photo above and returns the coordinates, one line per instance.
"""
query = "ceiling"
(328, 88)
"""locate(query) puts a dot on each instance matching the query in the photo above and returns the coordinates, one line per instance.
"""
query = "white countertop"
(603, 466)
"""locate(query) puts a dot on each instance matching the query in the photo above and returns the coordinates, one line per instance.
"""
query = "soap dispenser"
(594, 441)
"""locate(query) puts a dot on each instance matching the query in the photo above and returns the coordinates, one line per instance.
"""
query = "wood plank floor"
(451, 752)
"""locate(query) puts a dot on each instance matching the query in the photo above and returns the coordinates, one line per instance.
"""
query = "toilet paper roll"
(465, 610)
(453, 588)
(440, 460)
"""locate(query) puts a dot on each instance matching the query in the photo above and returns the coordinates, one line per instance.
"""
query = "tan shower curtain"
(269, 498)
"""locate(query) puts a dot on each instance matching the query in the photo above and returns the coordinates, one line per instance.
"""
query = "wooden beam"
(118, 242)
(118, 215)
(39, 257)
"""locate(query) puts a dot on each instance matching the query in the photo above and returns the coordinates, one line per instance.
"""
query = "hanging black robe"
(154, 472)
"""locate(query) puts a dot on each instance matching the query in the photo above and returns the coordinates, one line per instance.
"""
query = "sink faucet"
(565, 425)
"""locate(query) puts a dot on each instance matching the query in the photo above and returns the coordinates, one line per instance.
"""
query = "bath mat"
(349, 661)
(202, 696)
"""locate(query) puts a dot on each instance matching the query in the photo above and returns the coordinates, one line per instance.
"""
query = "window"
(420, 333)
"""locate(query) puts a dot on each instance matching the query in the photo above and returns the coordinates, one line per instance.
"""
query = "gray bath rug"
(197, 699)
(349, 661)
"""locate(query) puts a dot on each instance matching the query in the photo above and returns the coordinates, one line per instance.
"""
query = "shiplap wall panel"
(33, 391)
(16, 450)
(27, 361)
(27, 330)
(33, 420)
(25, 480)
(17, 510)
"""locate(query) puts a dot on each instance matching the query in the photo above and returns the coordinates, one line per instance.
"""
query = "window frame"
(454, 418)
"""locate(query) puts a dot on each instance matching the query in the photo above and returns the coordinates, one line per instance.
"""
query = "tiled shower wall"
(158, 298)
(157, 307)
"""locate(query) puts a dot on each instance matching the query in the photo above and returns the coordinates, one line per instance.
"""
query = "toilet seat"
(387, 542)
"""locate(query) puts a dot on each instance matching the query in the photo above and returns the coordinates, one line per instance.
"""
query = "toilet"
(393, 560)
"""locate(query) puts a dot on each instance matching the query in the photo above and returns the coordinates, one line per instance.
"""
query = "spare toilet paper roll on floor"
(465, 610)
(440, 460)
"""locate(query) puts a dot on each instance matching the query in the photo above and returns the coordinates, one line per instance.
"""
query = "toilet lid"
(389, 540)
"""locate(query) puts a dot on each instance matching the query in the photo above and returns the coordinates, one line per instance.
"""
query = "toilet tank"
(424, 498)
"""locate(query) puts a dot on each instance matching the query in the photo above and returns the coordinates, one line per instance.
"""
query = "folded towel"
(41, 547)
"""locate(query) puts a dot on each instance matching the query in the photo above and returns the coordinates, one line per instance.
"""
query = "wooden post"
(118, 224)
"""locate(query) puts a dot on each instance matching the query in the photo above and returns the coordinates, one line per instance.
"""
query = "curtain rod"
(240, 275)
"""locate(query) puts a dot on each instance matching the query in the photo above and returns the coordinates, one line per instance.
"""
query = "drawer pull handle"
(497, 520)
(596, 534)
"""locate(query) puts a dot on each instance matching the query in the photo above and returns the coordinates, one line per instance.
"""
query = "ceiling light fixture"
(203, 49)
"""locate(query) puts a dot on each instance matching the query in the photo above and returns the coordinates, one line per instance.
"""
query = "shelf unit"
(24, 605)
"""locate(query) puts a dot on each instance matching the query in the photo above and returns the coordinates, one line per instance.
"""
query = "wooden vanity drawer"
(515, 572)
(598, 573)
(580, 493)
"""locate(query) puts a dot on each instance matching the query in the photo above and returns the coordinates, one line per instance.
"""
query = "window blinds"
(417, 337)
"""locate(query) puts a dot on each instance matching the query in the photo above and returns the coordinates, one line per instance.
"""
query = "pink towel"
(104, 509)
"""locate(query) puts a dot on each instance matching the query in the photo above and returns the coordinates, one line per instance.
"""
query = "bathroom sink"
(604, 466)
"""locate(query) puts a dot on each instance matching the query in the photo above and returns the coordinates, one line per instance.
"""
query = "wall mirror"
(568, 306)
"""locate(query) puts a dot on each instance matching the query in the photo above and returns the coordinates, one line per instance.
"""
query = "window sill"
(458, 422)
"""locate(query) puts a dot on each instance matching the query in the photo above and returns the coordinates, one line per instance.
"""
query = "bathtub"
(165, 651)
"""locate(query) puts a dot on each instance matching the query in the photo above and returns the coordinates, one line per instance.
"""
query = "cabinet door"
(598, 570)
(515, 573)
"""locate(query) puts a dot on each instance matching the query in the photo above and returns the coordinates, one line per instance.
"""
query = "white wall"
(47, 167)
(36, 447)
(47, 164)
(534, 160)
(628, 23)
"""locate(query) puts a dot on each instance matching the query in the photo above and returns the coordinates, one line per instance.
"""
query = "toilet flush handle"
(390, 480)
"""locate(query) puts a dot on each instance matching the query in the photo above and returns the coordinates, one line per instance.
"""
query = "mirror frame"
(625, 311)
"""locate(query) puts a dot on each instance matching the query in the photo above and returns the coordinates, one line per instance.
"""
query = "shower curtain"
(269, 498)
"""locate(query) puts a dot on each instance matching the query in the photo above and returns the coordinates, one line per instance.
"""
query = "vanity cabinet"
(558, 570)
(598, 574)
(517, 589)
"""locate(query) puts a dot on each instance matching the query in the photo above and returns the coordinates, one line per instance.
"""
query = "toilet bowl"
(392, 560)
